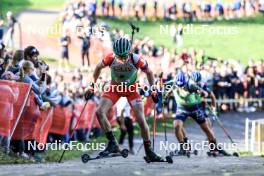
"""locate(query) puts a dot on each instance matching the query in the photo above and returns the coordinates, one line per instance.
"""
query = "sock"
(213, 143)
(185, 140)
(110, 136)
(147, 146)
(147, 143)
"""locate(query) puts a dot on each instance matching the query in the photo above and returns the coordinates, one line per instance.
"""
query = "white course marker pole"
(253, 128)
(246, 134)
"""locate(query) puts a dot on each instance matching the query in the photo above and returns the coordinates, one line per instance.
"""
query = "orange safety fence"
(7, 100)
(35, 124)
(14, 94)
(87, 116)
(61, 120)
(43, 125)
(28, 120)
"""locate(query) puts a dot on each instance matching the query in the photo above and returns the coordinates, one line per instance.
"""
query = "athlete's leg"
(137, 106)
(83, 55)
(88, 57)
(199, 116)
(178, 125)
(130, 131)
(103, 107)
(122, 132)
(140, 118)
(208, 131)
(180, 133)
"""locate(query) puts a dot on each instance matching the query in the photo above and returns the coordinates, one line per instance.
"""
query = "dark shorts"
(197, 113)
(85, 50)
(65, 54)
(208, 8)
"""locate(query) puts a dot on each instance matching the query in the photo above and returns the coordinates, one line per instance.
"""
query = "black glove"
(154, 96)
(89, 93)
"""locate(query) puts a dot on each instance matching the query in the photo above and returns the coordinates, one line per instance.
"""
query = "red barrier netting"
(61, 120)
(33, 124)
(43, 126)
(87, 116)
(15, 94)
(7, 99)
(27, 123)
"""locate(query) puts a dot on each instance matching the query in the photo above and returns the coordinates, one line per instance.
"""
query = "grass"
(18, 5)
(48, 156)
(238, 39)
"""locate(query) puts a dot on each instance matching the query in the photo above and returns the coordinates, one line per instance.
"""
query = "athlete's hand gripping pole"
(134, 29)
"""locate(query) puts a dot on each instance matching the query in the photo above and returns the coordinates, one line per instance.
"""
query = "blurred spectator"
(85, 38)
(17, 58)
(38, 88)
(2, 58)
(9, 36)
(65, 42)
(1, 30)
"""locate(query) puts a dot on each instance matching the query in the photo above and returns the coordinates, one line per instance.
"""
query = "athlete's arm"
(97, 71)
(150, 76)
(104, 63)
(212, 96)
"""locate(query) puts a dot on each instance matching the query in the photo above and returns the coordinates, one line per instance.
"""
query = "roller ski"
(150, 158)
(184, 152)
(221, 153)
(112, 150)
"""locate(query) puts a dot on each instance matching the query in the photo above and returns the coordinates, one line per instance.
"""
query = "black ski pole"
(76, 125)
(134, 29)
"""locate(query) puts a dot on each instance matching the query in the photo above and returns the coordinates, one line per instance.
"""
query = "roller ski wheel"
(124, 153)
(188, 154)
(180, 153)
(85, 158)
(172, 153)
(213, 153)
(169, 159)
(236, 154)
(195, 152)
(221, 153)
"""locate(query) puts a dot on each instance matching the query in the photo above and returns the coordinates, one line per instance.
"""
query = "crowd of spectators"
(171, 9)
(79, 17)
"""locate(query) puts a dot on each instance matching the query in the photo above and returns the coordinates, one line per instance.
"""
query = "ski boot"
(112, 147)
(184, 149)
(213, 153)
(151, 156)
(223, 152)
